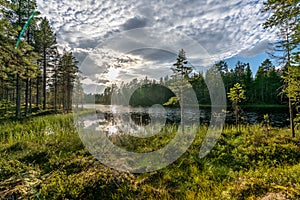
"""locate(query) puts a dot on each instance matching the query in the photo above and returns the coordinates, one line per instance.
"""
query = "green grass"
(43, 158)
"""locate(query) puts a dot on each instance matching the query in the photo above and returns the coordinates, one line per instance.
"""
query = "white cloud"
(258, 48)
(222, 28)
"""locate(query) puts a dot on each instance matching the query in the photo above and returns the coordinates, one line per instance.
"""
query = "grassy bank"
(43, 158)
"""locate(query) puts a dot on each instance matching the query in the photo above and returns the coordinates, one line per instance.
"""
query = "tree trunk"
(26, 96)
(55, 95)
(181, 109)
(44, 79)
(288, 68)
(236, 115)
(69, 100)
(30, 96)
(7, 100)
(18, 97)
(2, 90)
(291, 118)
(37, 92)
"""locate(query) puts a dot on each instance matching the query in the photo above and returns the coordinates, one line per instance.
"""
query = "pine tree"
(21, 60)
(285, 16)
(46, 47)
(78, 92)
(54, 82)
(67, 75)
(248, 83)
(236, 95)
(181, 73)
(30, 73)
(7, 35)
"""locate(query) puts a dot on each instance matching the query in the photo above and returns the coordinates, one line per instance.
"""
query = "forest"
(44, 129)
(263, 88)
(34, 76)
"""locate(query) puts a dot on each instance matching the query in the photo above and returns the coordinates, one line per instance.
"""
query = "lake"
(278, 116)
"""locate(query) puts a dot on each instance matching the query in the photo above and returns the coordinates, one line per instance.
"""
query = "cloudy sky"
(120, 40)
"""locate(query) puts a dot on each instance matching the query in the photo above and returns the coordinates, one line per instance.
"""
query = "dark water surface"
(278, 116)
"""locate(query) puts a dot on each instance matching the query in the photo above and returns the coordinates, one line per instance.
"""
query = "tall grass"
(35, 128)
(44, 158)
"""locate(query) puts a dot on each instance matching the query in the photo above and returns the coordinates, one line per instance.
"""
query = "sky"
(117, 41)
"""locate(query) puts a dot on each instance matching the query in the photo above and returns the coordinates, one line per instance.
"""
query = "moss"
(249, 164)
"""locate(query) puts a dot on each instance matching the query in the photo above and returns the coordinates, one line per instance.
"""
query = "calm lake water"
(279, 117)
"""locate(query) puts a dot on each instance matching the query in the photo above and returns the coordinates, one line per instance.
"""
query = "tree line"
(34, 76)
(263, 88)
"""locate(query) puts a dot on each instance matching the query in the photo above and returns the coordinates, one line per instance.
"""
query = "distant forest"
(263, 88)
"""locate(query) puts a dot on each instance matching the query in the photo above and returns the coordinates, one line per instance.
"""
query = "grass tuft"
(44, 158)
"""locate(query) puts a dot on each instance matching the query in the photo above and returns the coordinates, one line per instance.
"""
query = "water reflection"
(108, 116)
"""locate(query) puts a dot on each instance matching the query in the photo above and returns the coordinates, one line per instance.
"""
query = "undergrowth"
(44, 158)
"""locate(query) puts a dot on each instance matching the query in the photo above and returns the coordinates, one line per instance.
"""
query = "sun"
(112, 74)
